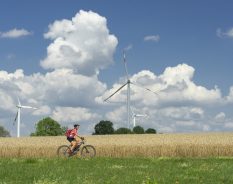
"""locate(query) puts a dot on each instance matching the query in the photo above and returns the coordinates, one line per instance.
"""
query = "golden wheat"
(159, 145)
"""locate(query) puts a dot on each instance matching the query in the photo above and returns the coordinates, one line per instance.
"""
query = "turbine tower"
(128, 91)
(19, 106)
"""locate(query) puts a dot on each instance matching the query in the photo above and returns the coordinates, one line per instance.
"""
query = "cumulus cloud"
(68, 96)
(62, 94)
(220, 117)
(15, 33)
(82, 43)
(80, 48)
(153, 38)
(229, 98)
(118, 115)
(42, 110)
(179, 104)
(74, 114)
(228, 33)
(182, 113)
(229, 125)
(174, 86)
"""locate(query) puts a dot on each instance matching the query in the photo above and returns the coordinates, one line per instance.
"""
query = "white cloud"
(229, 98)
(174, 86)
(118, 115)
(229, 126)
(178, 74)
(82, 43)
(68, 92)
(228, 33)
(154, 38)
(186, 123)
(61, 94)
(180, 104)
(42, 110)
(220, 117)
(182, 113)
(5, 76)
(74, 114)
(15, 33)
(6, 101)
(67, 96)
(61, 87)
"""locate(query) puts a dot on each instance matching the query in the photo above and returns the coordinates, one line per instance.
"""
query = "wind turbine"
(128, 90)
(135, 116)
(19, 106)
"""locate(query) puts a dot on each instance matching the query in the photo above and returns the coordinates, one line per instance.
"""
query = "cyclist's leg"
(73, 144)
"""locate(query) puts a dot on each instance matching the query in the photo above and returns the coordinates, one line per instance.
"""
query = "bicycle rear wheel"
(88, 151)
(63, 151)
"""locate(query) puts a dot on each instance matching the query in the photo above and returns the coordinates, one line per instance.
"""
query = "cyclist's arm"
(80, 137)
(77, 137)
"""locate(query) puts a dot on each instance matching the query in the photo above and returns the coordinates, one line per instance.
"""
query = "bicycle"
(87, 151)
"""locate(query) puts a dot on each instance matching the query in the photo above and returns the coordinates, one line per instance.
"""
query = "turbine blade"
(126, 70)
(19, 104)
(28, 107)
(145, 88)
(116, 91)
(16, 117)
(141, 115)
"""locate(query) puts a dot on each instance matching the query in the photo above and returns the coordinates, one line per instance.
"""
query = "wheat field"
(158, 145)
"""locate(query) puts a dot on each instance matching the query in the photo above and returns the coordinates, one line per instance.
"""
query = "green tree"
(123, 130)
(4, 132)
(48, 127)
(138, 130)
(150, 131)
(104, 127)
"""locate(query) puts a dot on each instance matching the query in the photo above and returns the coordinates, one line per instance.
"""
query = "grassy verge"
(116, 170)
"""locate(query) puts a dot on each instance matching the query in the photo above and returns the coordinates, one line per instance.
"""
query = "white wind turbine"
(19, 106)
(128, 90)
(135, 116)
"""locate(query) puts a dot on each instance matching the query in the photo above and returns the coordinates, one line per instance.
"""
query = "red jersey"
(73, 133)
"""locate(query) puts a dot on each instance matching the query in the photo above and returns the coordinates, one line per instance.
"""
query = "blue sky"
(196, 33)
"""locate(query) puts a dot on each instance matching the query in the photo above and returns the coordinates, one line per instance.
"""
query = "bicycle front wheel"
(88, 151)
(63, 151)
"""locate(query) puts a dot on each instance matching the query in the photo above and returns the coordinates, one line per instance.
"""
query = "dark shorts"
(70, 139)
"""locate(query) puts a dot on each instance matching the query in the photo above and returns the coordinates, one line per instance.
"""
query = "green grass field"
(116, 170)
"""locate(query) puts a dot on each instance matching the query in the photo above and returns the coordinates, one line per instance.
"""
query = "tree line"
(49, 127)
(106, 127)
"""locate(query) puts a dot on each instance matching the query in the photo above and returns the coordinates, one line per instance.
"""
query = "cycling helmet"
(75, 125)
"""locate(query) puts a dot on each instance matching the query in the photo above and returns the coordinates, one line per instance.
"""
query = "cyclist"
(72, 137)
